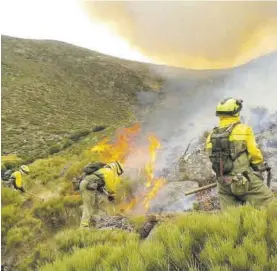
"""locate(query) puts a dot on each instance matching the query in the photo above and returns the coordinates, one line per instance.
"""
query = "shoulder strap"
(232, 126)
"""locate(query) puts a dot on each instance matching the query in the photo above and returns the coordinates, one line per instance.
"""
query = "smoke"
(192, 34)
(187, 106)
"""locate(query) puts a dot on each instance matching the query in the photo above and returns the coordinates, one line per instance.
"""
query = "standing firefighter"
(97, 188)
(236, 159)
(14, 180)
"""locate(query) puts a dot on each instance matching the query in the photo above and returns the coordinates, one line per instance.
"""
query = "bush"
(10, 164)
(67, 143)
(54, 149)
(52, 213)
(72, 201)
(98, 128)
(77, 135)
(9, 216)
(18, 236)
(242, 238)
(10, 196)
(42, 254)
(68, 240)
(45, 170)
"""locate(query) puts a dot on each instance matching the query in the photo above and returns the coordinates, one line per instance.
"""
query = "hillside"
(54, 93)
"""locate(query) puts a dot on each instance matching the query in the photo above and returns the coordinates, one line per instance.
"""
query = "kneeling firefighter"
(236, 159)
(98, 187)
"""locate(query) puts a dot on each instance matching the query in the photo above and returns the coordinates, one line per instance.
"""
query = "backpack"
(220, 157)
(88, 170)
(7, 175)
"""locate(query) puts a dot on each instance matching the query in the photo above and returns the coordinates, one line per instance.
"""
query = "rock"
(114, 222)
(274, 187)
(146, 228)
(267, 140)
(171, 198)
(197, 167)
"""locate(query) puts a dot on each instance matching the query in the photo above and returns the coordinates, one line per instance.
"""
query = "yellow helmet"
(229, 107)
(25, 169)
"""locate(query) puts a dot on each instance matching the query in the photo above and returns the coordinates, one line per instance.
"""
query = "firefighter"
(98, 189)
(15, 179)
(236, 159)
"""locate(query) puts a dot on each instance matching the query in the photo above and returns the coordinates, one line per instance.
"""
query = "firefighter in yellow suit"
(97, 189)
(236, 159)
(15, 179)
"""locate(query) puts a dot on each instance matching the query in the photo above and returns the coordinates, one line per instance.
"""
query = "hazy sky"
(191, 34)
(62, 20)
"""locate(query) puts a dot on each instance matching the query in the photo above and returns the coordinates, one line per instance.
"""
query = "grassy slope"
(34, 233)
(51, 89)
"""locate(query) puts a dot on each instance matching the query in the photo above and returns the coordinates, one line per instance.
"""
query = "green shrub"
(69, 239)
(19, 236)
(9, 216)
(51, 212)
(77, 135)
(137, 221)
(82, 259)
(54, 149)
(31, 222)
(241, 238)
(3, 168)
(10, 164)
(45, 171)
(98, 128)
(67, 143)
(42, 254)
(72, 201)
(10, 196)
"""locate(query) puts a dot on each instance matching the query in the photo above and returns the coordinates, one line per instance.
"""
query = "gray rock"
(171, 198)
(114, 222)
(267, 140)
(197, 167)
(274, 187)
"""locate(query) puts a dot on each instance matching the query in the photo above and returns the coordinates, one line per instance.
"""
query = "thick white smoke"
(188, 107)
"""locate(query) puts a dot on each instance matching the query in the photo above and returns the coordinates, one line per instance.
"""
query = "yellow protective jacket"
(110, 177)
(17, 179)
(241, 137)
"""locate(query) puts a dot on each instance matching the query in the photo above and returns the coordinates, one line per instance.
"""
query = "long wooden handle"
(200, 189)
(34, 196)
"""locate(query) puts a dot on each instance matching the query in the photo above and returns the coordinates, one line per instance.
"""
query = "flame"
(151, 185)
(159, 183)
(126, 207)
(149, 168)
(118, 150)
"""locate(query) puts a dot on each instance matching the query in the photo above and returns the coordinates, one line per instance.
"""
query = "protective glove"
(111, 197)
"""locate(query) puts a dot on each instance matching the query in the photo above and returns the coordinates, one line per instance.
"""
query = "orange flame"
(159, 183)
(152, 185)
(149, 168)
(118, 150)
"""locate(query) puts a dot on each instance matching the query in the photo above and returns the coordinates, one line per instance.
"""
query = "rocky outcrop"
(197, 167)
